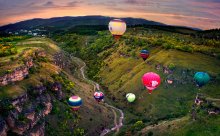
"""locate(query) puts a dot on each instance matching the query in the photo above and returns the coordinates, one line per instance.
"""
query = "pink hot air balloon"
(151, 81)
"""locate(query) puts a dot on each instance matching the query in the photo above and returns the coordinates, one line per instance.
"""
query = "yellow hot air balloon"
(117, 27)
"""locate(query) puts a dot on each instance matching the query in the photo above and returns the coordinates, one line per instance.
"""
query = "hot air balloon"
(99, 96)
(151, 81)
(130, 97)
(117, 28)
(144, 54)
(201, 78)
(75, 102)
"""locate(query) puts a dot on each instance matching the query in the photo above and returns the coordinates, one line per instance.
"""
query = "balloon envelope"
(151, 81)
(98, 96)
(201, 78)
(130, 97)
(117, 28)
(144, 54)
(75, 102)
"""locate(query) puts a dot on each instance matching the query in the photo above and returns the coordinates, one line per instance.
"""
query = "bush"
(7, 49)
(171, 66)
(158, 42)
(79, 132)
(150, 133)
(167, 46)
(187, 48)
(33, 70)
(138, 126)
(218, 56)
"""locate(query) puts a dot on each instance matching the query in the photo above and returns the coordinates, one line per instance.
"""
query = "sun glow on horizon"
(138, 11)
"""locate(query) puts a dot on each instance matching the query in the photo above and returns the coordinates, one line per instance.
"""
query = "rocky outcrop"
(38, 130)
(20, 99)
(20, 127)
(57, 88)
(25, 118)
(39, 90)
(40, 54)
(16, 75)
(3, 127)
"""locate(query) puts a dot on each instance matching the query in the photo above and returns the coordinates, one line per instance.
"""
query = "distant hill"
(69, 22)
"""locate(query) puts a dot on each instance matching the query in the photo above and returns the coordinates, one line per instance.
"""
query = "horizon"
(189, 13)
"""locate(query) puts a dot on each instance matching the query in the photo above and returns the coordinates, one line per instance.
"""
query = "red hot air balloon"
(144, 54)
(151, 81)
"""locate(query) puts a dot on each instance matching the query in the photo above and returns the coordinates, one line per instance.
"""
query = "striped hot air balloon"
(75, 102)
(99, 96)
(117, 27)
(144, 54)
(151, 81)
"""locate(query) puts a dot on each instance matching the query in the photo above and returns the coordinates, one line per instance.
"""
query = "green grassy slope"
(122, 72)
(118, 67)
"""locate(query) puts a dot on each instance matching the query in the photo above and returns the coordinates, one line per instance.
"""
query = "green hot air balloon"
(130, 97)
(201, 78)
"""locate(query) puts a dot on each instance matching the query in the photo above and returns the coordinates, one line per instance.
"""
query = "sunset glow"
(193, 13)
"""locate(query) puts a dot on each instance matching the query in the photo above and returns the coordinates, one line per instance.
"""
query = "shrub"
(138, 126)
(218, 56)
(158, 42)
(33, 70)
(150, 133)
(171, 66)
(187, 48)
(167, 46)
(79, 132)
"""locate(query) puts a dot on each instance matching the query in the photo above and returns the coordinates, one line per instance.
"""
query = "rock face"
(57, 88)
(38, 130)
(25, 118)
(40, 54)
(39, 90)
(20, 99)
(17, 75)
(3, 127)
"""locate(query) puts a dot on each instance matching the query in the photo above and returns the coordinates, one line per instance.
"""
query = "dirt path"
(118, 125)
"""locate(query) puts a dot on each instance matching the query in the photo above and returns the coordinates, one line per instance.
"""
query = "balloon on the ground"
(151, 81)
(99, 96)
(144, 54)
(117, 27)
(201, 78)
(130, 97)
(75, 102)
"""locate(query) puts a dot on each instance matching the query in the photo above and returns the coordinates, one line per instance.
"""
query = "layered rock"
(3, 127)
(38, 130)
(24, 118)
(57, 88)
(17, 75)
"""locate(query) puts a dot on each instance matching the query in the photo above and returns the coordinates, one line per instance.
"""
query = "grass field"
(122, 74)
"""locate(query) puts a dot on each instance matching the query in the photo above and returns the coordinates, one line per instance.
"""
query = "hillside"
(27, 95)
(175, 56)
(65, 23)
(30, 69)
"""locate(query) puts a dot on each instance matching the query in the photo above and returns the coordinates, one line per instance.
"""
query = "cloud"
(74, 3)
(48, 4)
(177, 12)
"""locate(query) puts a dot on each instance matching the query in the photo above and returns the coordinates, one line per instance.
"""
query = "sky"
(204, 14)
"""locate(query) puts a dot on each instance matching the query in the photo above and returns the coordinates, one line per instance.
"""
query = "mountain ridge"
(68, 21)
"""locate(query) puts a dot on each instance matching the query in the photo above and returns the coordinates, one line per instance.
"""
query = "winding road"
(118, 125)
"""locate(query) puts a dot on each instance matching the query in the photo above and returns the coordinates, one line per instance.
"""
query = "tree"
(138, 126)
